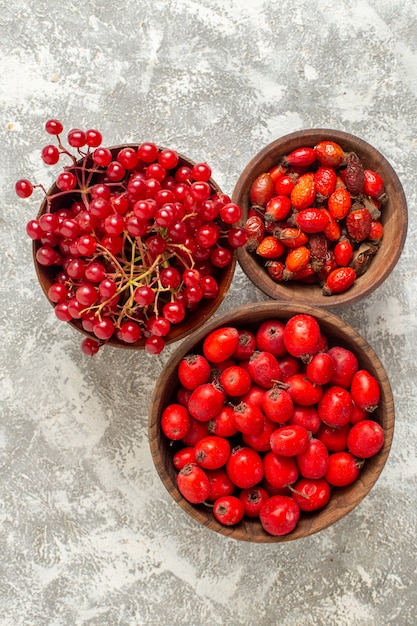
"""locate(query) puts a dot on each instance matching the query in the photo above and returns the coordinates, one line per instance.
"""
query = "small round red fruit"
(313, 463)
(235, 381)
(365, 439)
(279, 515)
(253, 500)
(193, 370)
(302, 336)
(290, 440)
(264, 369)
(244, 467)
(175, 421)
(311, 494)
(220, 344)
(212, 452)
(193, 484)
(343, 469)
(206, 401)
(365, 390)
(228, 510)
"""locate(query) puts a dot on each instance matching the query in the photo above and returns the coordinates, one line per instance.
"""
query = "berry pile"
(315, 217)
(266, 422)
(136, 237)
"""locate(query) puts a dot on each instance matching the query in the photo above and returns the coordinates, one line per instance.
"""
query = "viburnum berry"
(135, 237)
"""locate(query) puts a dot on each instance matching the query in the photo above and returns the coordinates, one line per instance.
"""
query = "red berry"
(302, 335)
(206, 401)
(343, 469)
(212, 452)
(279, 515)
(365, 390)
(193, 484)
(228, 510)
(175, 421)
(365, 439)
(311, 494)
(245, 467)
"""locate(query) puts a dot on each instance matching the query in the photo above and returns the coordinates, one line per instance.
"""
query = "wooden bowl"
(344, 499)
(394, 218)
(193, 321)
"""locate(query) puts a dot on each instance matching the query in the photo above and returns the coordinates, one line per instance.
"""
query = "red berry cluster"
(266, 422)
(315, 217)
(138, 237)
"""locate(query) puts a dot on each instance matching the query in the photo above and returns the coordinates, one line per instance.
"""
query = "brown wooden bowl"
(344, 499)
(193, 321)
(394, 218)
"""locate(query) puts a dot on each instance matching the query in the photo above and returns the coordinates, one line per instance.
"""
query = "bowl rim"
(284, 291)
(178, 331)
(340, 507)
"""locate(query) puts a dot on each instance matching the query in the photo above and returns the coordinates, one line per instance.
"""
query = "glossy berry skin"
(193, 370)
(228, 510)
(289, 440)
(306, 416)
(365, 390)
(223, 424)
(365, 439)
(183, 457)
(358, 224)
(220, 484)
(248, 418)
(303, 391)
(175, 421)
(270, 337)
(302, 335)
(343, 469)
(304, 192)
(262, 190)
(335, 407)
(329, 153)
(197, 431)
(270, 248)
(253, 500)
(246, 345)
(277, 405)
(335, 439)
(280, 471)
(212, 452)
(279, 515)
(235, 381)
(320, 369)
(264, 369)
(261, 442)
(220, 344)
(339, 280)
(312, 220)
(373, 184)
(339, 203)
(244, 467)
(311, 494)
(313, 463)
(205, 402)
(278, 207)
(325, 181)
(343, 252)
(193, 484)
(345, 365)
(300, 157)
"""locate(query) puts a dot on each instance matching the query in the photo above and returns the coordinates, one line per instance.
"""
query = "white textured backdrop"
(88, 534)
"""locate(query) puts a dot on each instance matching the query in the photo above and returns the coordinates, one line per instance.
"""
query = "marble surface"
(89, 536)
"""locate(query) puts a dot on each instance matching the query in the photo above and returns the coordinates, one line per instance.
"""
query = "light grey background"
(88, 534)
